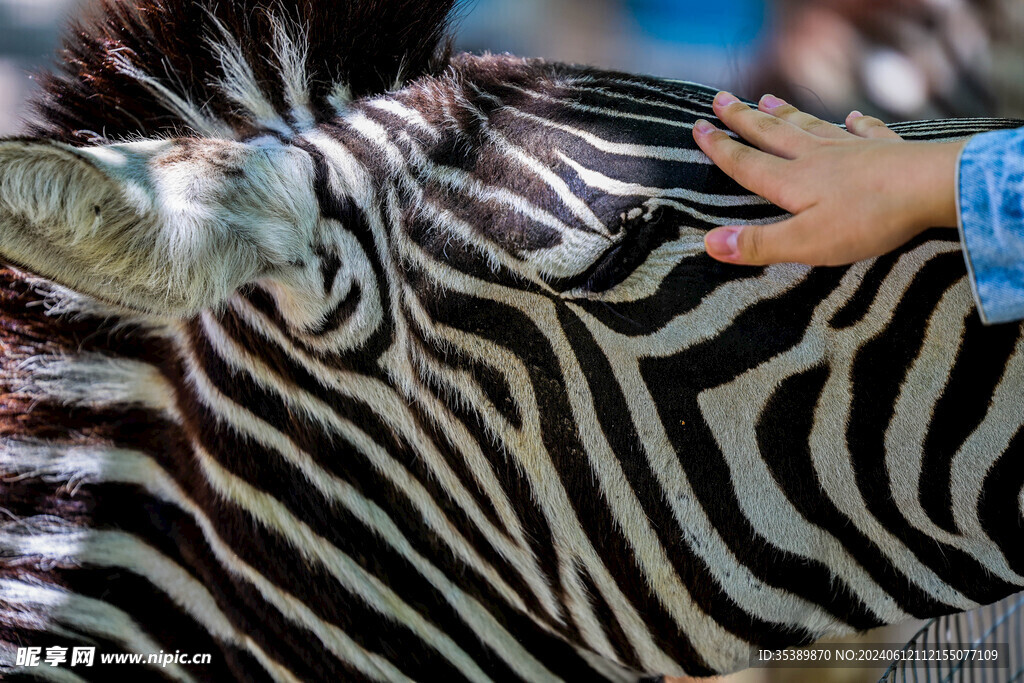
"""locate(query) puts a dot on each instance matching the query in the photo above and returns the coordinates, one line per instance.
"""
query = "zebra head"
(519, 174)
(433, 366)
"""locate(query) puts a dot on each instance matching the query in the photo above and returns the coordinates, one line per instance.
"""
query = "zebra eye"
(641, 234)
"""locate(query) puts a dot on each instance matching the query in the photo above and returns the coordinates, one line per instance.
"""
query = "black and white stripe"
(492, 413)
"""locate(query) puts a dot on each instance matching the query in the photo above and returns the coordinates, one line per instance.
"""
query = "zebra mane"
(227, 69)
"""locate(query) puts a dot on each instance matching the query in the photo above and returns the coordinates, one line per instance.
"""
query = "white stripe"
(577, 602)
(718, 310)
(329, 485)
(951, 128)
(292, 51)
(395, 107)
(272, 514)
(452, 227)
(118, 549)
(578, 207)
(694, 93)
(607, 668)
(276, 517)
(190, 113)
(9, 657)
(913, 416)
(461, 384)
(626, 189)
(118, 465)
(666, 466)
(678, 154)
(651, 204)
(649, 276)
(351, 176)
(394, 411)
(576, 250)
(525, 447)
(461, 181)
(94, 380)
(732, 412)
(988, 443)
(831, 456)
(698, 109)
(239, 83)
(86, 615)
(744, 588)
(604, 111)
(659, 576)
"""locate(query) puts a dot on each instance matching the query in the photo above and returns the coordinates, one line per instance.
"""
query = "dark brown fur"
(366, 45)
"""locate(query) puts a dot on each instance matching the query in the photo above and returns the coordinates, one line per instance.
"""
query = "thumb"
(793, 239)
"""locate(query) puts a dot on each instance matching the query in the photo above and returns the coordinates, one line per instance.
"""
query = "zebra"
(341, 356)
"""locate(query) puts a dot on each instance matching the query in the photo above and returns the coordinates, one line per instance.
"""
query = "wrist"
(935, 184)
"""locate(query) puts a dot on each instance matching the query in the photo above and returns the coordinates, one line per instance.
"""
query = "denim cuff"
(990, 207)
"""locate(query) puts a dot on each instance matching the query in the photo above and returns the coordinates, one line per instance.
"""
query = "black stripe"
(858, 305)
(879, 370)
(330, 264)
(999, 506)
(640, 237)
(556, 654)
(612, 411)
(516, 488)
(309, 581)
(607, 620)
(165, 622)
(362, 359)
(630, 131)
(980, 364)
(175, 533)
(340, 314)
(488, 379)
(854, 310)
(682, 290)
(501, 225)
(642, 101)
(250, 461)
(451, 251)
(762, 331)
(699, 97)
(783, 436)
(511, 329)
(359, 413)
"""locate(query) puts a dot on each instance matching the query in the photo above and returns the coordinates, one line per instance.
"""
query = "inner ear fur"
(168, 227)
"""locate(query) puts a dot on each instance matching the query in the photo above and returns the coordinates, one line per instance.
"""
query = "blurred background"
(896, 59)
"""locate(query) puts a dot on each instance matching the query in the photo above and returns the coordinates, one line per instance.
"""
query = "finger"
(765, 131)
(770, 104)
(868, 127)
(798, 239)
(753, 169)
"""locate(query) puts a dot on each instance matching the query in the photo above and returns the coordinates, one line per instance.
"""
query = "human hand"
(853, 194)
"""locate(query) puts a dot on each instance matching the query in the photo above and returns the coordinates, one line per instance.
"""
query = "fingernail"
(724, 99)
(855, 114)
(703, 127)
(771, 101)
(723, 242)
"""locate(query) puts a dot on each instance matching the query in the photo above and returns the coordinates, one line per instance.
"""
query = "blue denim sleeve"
(990, 203)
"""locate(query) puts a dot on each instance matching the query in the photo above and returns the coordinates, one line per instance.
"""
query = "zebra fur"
(365, 361)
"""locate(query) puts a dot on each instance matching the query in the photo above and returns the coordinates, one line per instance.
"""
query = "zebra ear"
(168, 226)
